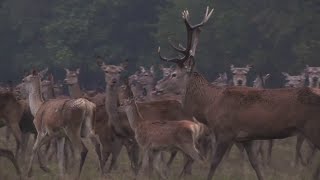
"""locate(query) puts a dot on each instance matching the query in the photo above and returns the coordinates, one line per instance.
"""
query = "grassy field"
(232, 168)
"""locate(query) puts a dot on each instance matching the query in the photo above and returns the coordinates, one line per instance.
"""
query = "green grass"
(232, 168)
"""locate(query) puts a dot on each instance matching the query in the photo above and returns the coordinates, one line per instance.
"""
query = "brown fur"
(108, 143)
(11, 111)
(156, 136)
(243, 114)
(59, 118)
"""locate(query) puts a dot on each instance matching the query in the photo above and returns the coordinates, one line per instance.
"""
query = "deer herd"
(182, 112)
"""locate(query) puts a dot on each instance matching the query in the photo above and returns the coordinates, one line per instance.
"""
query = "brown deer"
(154, 137)
(118, 121)
(146, 78)
(313, 74)
(72, 118)
(165, 109)
(298, 81)
(11, 111)
(239, 77)
(244, 114)
(295, 81)
(111, 144)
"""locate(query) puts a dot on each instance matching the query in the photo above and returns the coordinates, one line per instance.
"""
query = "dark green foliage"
(272, 35)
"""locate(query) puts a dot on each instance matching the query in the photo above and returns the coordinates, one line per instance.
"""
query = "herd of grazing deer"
(182, 112)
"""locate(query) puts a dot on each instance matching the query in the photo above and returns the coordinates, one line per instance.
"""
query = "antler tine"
(205, 18)
(178, 61)
(180, 48)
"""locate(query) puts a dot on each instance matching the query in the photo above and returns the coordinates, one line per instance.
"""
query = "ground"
(232, 168)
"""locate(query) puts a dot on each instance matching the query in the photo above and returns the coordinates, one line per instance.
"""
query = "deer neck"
(35, 98)
(148, 89)
(199, 94)
(75, 91)
(134, 116)
(112, 102)
(50, 94)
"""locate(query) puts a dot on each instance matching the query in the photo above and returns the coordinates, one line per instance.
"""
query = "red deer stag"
(244, 114)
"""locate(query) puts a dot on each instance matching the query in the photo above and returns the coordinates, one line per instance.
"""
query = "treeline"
(272, 35)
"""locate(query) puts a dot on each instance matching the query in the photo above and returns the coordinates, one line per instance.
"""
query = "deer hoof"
(30, 174)
(46, 169)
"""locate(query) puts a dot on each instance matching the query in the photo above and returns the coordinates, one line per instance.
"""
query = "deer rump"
(55, 113)
(264, 114)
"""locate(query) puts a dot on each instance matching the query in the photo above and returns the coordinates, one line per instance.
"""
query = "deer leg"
(116, 149)
(189, 150)
(41, 139)
(24, 145)
(69, 152)
(270, 146)
(145, 168)
(8, 133)
(18, 136)
(172, 156)
(8, 154)
(298, 158)
(262, 147)
(253, 159)
(97, 147)
(218, 153)
(311, 155)
(187, 167)
(133, 153)
(60, 150)
(158, 164)
(51, 149)
(80, 151)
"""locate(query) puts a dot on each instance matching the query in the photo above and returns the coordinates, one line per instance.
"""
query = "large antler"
(193, 32)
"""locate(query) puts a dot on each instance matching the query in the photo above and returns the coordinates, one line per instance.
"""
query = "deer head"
(71, 76)
(145, 77)
(222, 80)
(294, 81)
(240, 75)
(166, 71)
(112, 72)
(185, 62)
(33, 79)
(313, 74)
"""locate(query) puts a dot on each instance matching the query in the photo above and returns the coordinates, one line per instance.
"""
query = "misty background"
(274, 36)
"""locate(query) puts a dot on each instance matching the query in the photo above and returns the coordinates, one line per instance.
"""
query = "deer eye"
(174, 75)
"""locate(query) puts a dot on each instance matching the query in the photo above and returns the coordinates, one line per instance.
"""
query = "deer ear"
(267, 76)
(248, 67)
(152, 69)
(78, 71)
(232, 67)
(285, 74)
(67, 70)
(124, 65)
(142, 69)
(34, 72)
(161, 67)
(99, 61)
(43, 72)
(50, 77)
